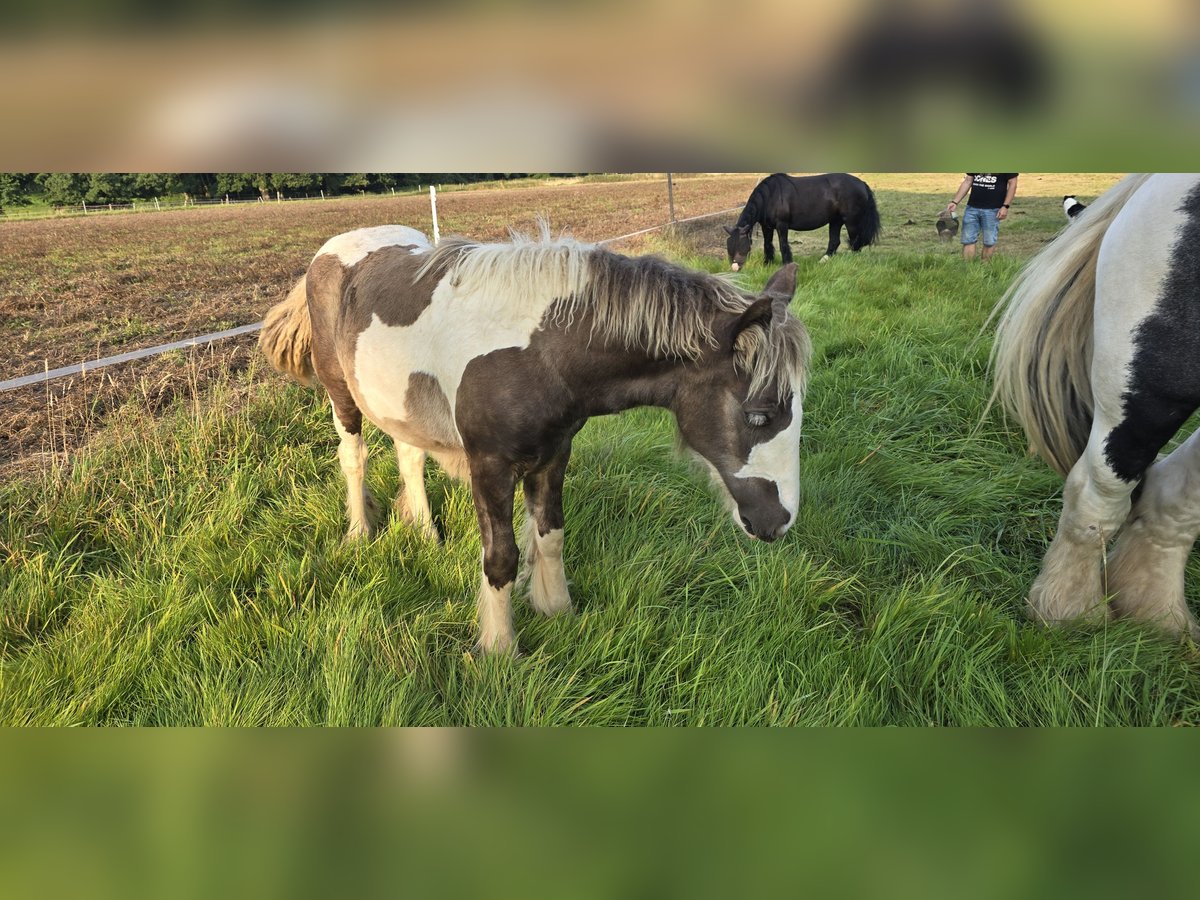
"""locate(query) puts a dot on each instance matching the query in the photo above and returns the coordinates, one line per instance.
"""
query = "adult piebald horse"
(780, 202)
(1098, 356)
(490, 357)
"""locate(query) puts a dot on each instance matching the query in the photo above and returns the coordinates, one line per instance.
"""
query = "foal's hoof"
(510, 650)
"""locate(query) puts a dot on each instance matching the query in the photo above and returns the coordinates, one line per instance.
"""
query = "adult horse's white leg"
(352, 454)
(1146, 567)
(412, 502)
(1095, 502)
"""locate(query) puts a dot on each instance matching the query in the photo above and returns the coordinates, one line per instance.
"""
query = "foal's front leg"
(492, 485)
(543, 538)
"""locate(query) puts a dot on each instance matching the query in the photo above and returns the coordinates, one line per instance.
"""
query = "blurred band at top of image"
(760, 85)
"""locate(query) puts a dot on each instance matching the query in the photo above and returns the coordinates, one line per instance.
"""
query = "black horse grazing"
(780, 202)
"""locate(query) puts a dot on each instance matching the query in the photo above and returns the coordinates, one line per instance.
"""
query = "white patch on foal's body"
(353, 246)
(463, 321)
(778, 461)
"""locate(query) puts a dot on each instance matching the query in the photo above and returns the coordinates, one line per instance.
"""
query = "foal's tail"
(1042, 356)
(866, 225)
(286, 336)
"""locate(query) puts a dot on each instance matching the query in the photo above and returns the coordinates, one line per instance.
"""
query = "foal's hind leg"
(352, 454)
(412, 503)
(543, 538)
(1146, 567)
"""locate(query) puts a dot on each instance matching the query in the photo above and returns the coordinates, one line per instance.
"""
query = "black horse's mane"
(752, 212)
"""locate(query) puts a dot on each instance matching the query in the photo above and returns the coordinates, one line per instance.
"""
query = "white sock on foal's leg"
(548, 591)
(494, 606)
(352, 454)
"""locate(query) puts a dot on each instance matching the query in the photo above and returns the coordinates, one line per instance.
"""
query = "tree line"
(73, 188)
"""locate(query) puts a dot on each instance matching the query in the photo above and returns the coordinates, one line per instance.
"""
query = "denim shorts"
(975, 219)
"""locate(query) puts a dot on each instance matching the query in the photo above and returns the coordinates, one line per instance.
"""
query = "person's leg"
(991, 232)
(970, 232)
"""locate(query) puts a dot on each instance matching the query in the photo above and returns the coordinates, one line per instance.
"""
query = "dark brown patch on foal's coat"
(326, 280)
(381, 284)
(384, 284)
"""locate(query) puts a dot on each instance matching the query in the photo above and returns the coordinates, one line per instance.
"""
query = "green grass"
(191, 571)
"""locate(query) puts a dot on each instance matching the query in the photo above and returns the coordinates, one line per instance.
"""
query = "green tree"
(63, 188)
(236, 184)
(108, 187)
(14, 190)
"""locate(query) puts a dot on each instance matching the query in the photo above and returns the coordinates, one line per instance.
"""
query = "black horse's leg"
(492, 485)
(785, 250)
(768, 247)
(835, 236)
(543, 537)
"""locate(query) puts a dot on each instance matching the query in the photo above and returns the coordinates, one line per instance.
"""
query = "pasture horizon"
(190, 570)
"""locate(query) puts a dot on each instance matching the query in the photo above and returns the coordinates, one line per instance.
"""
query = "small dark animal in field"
(780, 202)
(491, 357)
(1072, 207)
(947, 225)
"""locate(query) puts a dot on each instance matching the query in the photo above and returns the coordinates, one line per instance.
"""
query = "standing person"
(991, 196)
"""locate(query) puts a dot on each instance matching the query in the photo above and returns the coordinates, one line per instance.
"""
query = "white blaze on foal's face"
(778, 460)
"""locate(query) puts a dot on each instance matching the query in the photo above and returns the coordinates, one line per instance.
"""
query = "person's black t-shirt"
(988, 189)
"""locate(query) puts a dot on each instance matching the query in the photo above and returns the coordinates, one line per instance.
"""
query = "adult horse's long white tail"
(1042, 357)
(286, 336)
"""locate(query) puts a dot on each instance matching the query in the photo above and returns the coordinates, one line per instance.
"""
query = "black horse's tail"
(866, 226)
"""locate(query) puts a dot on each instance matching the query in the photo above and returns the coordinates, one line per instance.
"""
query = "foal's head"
(742, 410)
(738, 245)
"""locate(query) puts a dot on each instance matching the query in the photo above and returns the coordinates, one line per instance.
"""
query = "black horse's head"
(738, 245)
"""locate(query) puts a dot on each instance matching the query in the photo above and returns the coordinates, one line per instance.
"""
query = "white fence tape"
(91, 365)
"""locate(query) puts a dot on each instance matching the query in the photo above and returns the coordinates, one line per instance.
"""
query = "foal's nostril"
(746, 524)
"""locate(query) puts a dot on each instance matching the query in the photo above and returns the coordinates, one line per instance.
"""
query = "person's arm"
(961, 193)
(1002, 213)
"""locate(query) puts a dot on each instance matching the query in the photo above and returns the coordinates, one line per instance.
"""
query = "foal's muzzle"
(767, 533)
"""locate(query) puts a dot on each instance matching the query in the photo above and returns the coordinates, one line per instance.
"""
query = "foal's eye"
(756, 420)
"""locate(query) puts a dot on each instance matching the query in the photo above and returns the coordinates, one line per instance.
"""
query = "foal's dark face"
(752, 445)
(738, 245)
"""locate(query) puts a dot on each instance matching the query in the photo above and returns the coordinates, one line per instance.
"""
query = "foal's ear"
(782, 284)
(728, 230)
(757, 313)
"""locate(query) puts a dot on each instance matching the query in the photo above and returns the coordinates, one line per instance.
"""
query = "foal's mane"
(642, 302)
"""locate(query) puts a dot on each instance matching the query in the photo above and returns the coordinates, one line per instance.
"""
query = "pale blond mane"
(644, 303)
